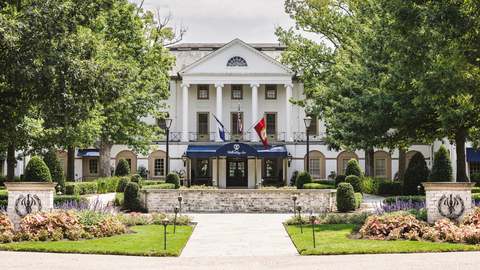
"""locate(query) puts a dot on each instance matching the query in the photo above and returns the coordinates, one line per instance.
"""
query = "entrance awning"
(237, 149)
(88, 153)
(473, 155)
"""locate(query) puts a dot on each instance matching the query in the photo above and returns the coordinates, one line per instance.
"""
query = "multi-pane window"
(203, 123)
(93, 166)
(344, 164)
(315, 167)
(202, 92)
(159, 167)
(313, 130)
(474, 167)
(235, 125)
(129, 160)
(271, 92)
(271, 123)
(202, 167)
(237, 92)
(380, 167)
(270, 167)
(236, 61)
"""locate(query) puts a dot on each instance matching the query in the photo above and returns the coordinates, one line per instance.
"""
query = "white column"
(219, 109)
(185, 87)
(288, 107)
(254, 109)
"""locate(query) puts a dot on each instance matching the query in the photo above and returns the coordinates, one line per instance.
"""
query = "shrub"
(109, 186)
(123, 169)
(355, 182)
(136, 178)
(416, 173)
(340, 178)
(55, 167)
(345, 197)
(370, 184)
(475, 190)
(332, 175)
(303, 178)
(344, 218)
(325, 182)
(475, 178)
(58, 200)
(391, 226)
(442, 167)
(142, 171)
(161, 186)
(325, 187)
(310, 185)
(37, 171)
(172, 178)
(392, 188)
(293, 178)
(118, 199)
(81, 188)
(358, 200)
(353, 168)
(131, 197)
(151, 182)
(415, 199)
(122, 184)
(71, 188)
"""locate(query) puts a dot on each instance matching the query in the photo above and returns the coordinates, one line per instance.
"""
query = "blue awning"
(473, 155)
(88, 153)
(237, 149)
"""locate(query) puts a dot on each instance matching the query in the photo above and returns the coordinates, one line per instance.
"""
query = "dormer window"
(236, 61)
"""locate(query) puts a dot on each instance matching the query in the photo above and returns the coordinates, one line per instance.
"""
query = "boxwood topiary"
(136, 178)
(172, 178)
(303, 178)
(355, 182)
(442, 167)
(122, 184)
(345, 197)
(353, 168)
(131, 197)
(340, 178)
(55, 167)
(37, 171)
(416, 173)
(358, 200)
(123, 169)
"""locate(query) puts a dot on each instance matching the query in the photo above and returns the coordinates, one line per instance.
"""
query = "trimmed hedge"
(136, 178)
(475, 178)
(63, 198)
(324, 182)
(4, 203)
(3, 194)
(325, 187)
(122, 184)
(345, 197)
(476, 197)
(353, 168)
(81, 188)
(355, 182)
(131, 197)
(340, 178)
(442, 167)
(393, 200)
(416, 173)
(37, 171)
(358, 199)
(123, 169)
(476, 190)
(118, 199)
(302, 179)
(3, 178)
(152, 182)
(161, 186)
(391, 188)
(310, 185)
(173, 178)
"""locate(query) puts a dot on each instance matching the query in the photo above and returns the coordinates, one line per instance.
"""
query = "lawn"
(146, 241)
(332, 239)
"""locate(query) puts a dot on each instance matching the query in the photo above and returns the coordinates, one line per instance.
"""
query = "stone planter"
(448, 199)
(28, 197)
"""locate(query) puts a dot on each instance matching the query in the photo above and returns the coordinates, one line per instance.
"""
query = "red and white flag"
(262, 132)
(240, 127)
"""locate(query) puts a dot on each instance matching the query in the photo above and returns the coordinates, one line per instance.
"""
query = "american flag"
(240, 127)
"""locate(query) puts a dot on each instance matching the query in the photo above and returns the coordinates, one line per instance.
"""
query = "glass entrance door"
(237, 172)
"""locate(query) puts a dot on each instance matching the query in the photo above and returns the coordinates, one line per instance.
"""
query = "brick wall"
(239, 200)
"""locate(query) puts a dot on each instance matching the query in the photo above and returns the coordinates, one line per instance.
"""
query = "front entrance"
(237, 172)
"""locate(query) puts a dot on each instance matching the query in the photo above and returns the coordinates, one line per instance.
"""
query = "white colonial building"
(221, 80)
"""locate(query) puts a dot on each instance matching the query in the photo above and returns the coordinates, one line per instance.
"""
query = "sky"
(221, 21)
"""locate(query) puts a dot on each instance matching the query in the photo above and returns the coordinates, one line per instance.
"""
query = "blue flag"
(221, 129)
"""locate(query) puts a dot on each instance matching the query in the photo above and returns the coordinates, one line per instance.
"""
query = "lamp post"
(312, 219)
(308, 121)
(294, 198)
(175, 220)
(180, 198)
(59, 191)
(168, 123)
(418, 188)
(299, 208)
(165, 223)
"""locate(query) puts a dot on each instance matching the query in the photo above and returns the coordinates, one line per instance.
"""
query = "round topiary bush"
(123, 169)
(340, 178)
(442, 167)
(303, 178)
(55, 167)
(37, 171)
(122, 184)
(355, 182)
(353, 168)
(345, 197)
(136, 178)
(416, 173)
(131, 197)
(173, 178)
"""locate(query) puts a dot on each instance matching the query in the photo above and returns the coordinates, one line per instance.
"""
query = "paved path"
(370, 200)
(239, 235)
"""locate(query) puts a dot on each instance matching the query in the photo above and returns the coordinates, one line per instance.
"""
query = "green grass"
(147, 241)
(332, 240)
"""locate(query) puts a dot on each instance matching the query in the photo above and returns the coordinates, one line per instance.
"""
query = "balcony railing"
(302, 137)
(213, 136)
(173, 137)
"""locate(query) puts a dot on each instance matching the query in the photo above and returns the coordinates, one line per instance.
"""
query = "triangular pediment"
(256, 62)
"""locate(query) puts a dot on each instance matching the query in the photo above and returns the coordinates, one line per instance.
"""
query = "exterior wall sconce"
(184, 158)
(289, 158)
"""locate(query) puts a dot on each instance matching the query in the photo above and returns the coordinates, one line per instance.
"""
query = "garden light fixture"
(418, 188)
(294, 198)
(312, 219)
(180, 198)
(165, 223)
(184, 158)
(175, 220)
(299, 208)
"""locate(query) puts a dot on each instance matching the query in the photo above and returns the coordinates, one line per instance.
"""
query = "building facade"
(225, 81)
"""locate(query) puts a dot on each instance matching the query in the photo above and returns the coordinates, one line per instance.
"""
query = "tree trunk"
(71, 164)
(104, 147)
(11, 162)
(402, 163)
(461, 168)
(369, 162)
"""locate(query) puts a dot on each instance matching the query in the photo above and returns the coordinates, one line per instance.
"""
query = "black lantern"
(180, 198)
(184, 158)
(294, 198)
(289, 158)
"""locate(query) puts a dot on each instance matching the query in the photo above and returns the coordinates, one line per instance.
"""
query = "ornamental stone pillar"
(185, 87)
(219, 109)
(288, 108)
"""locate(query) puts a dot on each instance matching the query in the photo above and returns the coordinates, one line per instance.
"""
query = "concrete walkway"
(239, 235)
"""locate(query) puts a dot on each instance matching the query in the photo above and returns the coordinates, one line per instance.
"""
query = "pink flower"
(315, 222)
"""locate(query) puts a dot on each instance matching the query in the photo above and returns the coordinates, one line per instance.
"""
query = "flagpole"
(263, 115)
(223, 125)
